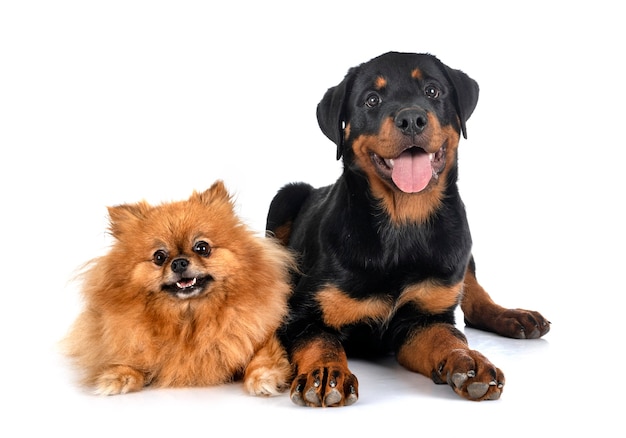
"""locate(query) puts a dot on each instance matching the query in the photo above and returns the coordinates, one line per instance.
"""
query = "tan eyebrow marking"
(380, 82)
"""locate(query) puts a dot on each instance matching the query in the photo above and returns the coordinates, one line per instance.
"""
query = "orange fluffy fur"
(140, 327)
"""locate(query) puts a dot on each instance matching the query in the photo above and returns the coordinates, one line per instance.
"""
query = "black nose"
(411, 120)
(179, 265)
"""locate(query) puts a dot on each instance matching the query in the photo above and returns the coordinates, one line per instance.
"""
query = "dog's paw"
(269, 371)
(523, 324)
(119, 380)
(265, 381)
(326, 386)
(471, 375)
(515, 323)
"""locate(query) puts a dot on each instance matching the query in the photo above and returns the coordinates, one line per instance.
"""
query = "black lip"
(439, 162)
(381, 167)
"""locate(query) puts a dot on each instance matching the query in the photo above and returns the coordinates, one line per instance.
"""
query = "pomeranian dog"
(187, 295)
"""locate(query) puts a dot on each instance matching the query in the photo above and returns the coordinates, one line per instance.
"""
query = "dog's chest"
(401, 254)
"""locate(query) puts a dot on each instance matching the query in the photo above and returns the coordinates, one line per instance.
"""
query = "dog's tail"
(284, 209)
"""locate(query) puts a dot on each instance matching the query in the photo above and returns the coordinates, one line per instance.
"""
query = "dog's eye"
(159, 257)
(431, 91)
(372, 100)
(202, 248)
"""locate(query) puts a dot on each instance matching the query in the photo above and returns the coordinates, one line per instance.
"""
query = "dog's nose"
(179, 265)
(411, 120)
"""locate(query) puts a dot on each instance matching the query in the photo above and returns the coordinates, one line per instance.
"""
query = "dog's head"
(184, 248)
(398, 119)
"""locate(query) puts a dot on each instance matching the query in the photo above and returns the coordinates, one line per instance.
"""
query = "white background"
(110, 102)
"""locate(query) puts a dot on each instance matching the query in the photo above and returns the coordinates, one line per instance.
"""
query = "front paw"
(119, 379)
(470, 375)
(325, 386)
(269, 371)
(518, 324)
(266, 381)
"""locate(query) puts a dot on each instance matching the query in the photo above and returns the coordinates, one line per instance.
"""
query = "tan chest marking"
(339, 309)
(432, 297)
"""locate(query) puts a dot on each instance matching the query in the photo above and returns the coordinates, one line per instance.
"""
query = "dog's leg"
(322, 374)
(441, 352)
(269, 371)
(481, 312)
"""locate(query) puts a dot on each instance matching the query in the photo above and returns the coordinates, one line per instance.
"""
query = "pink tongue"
(412, 172)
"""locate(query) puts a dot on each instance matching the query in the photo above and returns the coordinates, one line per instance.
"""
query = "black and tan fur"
(382, 270)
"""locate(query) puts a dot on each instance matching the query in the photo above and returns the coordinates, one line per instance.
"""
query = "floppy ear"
(331, 112)
(465, 94)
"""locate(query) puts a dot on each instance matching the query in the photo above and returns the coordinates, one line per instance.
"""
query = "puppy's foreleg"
(269, 371)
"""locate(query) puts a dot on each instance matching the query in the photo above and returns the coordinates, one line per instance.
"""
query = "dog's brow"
(416, 74)
(380, 82)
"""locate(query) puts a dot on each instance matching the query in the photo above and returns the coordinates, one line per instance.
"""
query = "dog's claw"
(477, 389)
(296, 396)
(297, 399)
(458, 379)
(494, 395)
(352, 397)
(316, 377)
(312, 397)
(332, 398)
(332, 383)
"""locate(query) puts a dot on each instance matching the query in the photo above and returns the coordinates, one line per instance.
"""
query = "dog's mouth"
(413, 169)
(187, 287)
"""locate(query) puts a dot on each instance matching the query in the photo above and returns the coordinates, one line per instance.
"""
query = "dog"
(187, 295)
(384, 253)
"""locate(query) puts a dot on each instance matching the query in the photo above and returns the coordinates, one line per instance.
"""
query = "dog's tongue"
(412, 171)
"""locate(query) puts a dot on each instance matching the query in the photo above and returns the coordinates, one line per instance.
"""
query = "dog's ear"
(123, 215)
(465, 94)
(216, 192)
(331, 111)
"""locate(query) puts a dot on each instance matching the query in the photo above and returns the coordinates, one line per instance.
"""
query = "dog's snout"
(411, 120)
(179, 265)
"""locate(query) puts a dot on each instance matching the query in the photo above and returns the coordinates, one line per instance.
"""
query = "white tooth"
(431, 156)
(181, 286)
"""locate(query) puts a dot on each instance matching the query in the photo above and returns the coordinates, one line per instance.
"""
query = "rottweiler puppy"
(385, 252)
